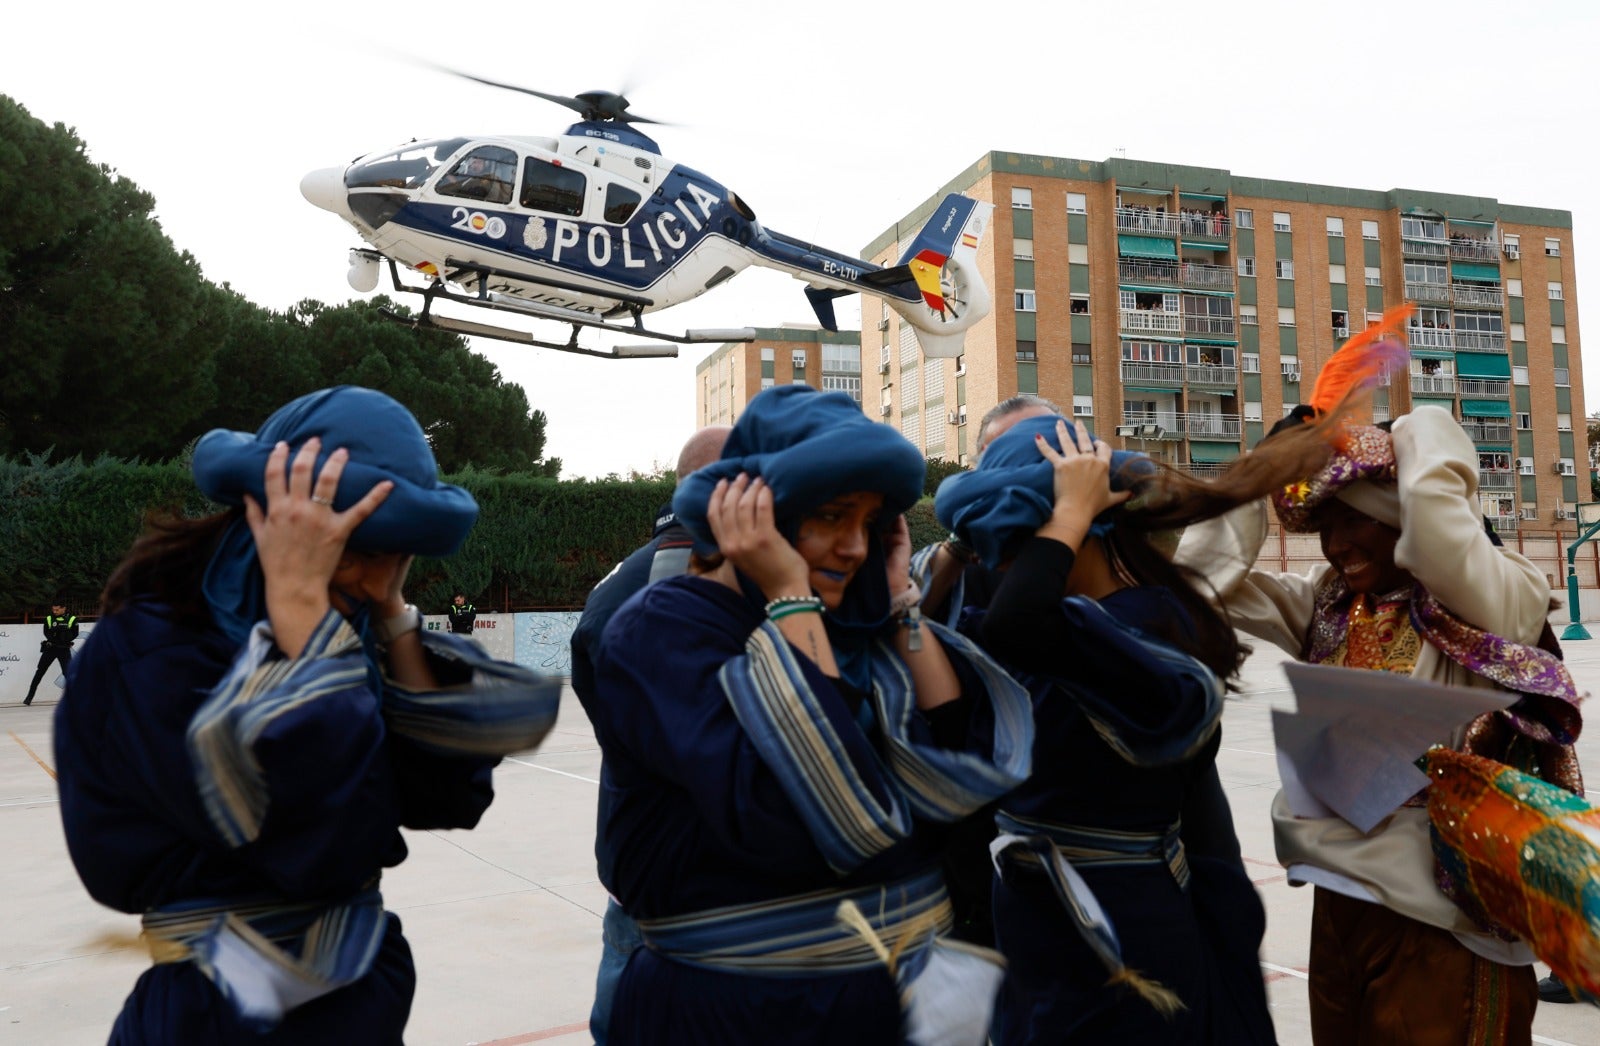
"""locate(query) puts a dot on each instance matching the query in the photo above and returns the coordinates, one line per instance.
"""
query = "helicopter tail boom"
(942, 261)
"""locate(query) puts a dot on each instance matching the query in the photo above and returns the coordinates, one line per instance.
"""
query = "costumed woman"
(1414, 585)
(258, 713)
(786, 741)
(1113, 929)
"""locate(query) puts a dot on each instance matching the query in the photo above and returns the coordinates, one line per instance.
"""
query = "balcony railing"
(1465, 248)
(1480, 341)
(1152, 320)
(1141, 270)
(1482, 387)
(1435, 383)
(1427, 291)
(1166, 420)
(1205, 469)
(1164, 373)
(1205, 225)
(1198, 274)
(1430, 338)
(1208, 325)
(1487, 431)
(1146, 221)
(1503, 524)
(1176, 425)
(1211, 374)
(1424, 248)
(1478, 294)
(1497, 480)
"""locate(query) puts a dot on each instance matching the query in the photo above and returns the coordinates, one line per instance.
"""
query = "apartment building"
(1182, 310)
(790, 355)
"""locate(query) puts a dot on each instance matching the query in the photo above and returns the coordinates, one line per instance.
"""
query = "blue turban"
(1012, 492)
(421, 515)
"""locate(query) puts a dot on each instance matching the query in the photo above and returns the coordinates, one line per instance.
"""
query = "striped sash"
(1103, 847)
(802, 935)
(268, 957)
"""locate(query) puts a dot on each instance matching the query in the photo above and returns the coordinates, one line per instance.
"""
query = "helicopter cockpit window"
(621, 202)
(487, 173)
(557, 190)
(404, 168)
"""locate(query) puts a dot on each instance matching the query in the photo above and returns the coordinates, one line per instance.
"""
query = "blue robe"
(700, 820)
(338, 787)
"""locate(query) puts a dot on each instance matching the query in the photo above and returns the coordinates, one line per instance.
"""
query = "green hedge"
(539, 543)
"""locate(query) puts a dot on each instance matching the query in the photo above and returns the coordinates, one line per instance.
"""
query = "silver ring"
(317, 499)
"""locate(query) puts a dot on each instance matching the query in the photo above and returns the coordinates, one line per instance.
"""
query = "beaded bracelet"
(783, 606)
(913, 622)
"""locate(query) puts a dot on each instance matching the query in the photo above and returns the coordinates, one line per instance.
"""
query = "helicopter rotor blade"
(591, 105)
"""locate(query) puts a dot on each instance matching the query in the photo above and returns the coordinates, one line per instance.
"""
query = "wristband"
(913, 622)
(392, 628)
(783, 606)
(906, 600)
(959, 549)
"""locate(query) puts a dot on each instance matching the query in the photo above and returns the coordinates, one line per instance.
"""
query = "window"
(1080, 352)
(1244, 219)
(1288, 408)
(797, 359)
(768, 354)
(1554, 289)
(1280, 221)
(1021, 248)
(1552, 247)
(1284, 269)
(1341, 322)
(1558, 335)
(1563, 422)
(1250, 362)
(1286, 316)
(1373, 275)
(1336, 274)
(1083, 406)
(1369, 230)
(1077, 203)
(1514, 288)
(1519, 332)
(767, 383)
(1247, 315)
(1422, 228)
(1080, 305)
(556, 190)
(1336, 226)
(961, 364)
(1027, 301)
(1078, 253)
(1512, 244)
(1524, 420)
(1525, 466)
(1247, 266)
(1027, 350)
(1519, 375)
(621, 202)
(1252, 411)
(1022, 198)
(487, 173)
(1563, 376)
(961, 414)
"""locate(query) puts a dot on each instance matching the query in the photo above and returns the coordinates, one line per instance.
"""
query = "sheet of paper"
(1355, 736)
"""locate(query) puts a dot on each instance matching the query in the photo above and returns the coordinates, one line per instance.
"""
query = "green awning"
(1433, 354)
(1167, 390)
(1483, 365)
(1475, 272)
(1142, 289)
(1471, 221)
(1424, 401)
(1212, 453)
(1206, 246)
(1200, 195)
(1214, 294)
(1208, 341)
(1485, 409)
(1146, 247)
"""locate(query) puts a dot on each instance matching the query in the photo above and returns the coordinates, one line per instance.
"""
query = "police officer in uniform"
(462, 615)
(60, 632)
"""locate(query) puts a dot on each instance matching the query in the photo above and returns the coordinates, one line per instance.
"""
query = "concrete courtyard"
(504, 921)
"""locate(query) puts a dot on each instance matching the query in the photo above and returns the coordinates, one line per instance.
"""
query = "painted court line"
(536, 1036)
(42, 765)
(536, 766)
(30, 802)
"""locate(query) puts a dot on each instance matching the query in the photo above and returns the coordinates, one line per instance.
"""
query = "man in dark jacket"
(462, 615)
(60, 632)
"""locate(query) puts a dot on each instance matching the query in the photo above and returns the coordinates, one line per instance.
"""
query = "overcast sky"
(831, 119)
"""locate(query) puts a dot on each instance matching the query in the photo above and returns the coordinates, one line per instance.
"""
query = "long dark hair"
(168, 563)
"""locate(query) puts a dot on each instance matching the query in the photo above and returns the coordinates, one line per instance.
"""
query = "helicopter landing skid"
(485, 299)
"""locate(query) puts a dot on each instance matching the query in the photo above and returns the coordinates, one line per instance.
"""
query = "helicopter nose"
(325, 188)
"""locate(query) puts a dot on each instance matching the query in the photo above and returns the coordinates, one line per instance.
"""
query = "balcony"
(1430, 337)
(1211, 374)
(1436, 384)
(1205, 469)
(1208, 325)
(1152, 320)
(1210, 426)
(1480, 341)
(1483, 387)
(1143, 270)
(1204, 225)
(1198, 274)
(1465, 248)
(1164, 420)
(1477, 294)
(1503, 524)
(1415, 248)
(1487, 431)
(1160, 373)
(1497, 480)
(1146, 221)
(1439, 292)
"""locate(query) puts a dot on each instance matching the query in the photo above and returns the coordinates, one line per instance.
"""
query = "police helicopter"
(594, 228)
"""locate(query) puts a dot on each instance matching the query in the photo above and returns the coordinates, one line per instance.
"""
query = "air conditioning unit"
(1561, 513)
(1529, 513)
(1513, 251)
(1291, 372)
(883, 368)
(883, 411)
(1564, 468)
(883, 325)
